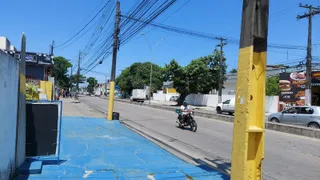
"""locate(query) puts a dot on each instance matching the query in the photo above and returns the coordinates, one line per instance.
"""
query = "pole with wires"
(71, 78)
(114, 61)
(312, 11)
(78, 72)
(222, 43)
(51, 48)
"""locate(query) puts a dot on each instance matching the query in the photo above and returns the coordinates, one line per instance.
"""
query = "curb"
(166, 146)
(285, 128)
(171, 148)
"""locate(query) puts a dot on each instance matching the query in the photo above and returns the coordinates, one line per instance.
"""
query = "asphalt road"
(287, 157)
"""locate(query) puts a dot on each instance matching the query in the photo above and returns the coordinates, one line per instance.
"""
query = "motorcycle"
(188, 121)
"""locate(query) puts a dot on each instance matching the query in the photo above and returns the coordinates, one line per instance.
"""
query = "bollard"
(115, 116)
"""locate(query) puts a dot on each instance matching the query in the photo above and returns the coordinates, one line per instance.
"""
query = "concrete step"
(31, 167)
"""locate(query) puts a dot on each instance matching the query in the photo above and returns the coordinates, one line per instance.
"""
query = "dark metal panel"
(42, 125)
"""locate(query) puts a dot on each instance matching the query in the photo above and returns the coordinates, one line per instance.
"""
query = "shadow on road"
(220, 165)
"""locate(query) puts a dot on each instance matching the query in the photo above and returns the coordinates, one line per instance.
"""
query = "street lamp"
(152, 58)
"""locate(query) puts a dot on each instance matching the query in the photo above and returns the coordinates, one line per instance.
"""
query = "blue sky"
(44, 21)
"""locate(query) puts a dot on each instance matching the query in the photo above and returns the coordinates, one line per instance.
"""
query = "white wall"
(272, 103)
(9, 79)
(163, 97)
(211, 100)
(159, 97)
(4, 43)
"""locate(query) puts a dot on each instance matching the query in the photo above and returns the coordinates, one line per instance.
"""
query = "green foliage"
(233, 71)
(92, 82)
(60, 70)
(200, 76)
(272, 86)
(75, 78)
(138, 75)
(31, 92)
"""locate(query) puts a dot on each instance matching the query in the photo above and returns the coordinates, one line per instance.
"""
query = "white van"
(226, 106)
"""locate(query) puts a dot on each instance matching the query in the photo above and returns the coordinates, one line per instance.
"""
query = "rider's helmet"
(185, 103)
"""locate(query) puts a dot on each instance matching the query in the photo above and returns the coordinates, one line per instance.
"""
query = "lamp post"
(152, 58)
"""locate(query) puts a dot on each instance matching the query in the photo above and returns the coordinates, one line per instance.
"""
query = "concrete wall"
(163, 97)
(9, 84)
(211, 100)
(272, 103)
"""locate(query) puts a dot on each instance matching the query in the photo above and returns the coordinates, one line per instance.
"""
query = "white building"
(230, 83)
(4, 43)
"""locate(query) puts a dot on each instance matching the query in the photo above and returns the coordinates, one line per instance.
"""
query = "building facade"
(4, 44)
(38, 65)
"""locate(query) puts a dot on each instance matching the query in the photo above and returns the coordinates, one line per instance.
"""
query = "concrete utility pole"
(51, 48)
(78, 72)
(114, 60)
(71, 77)
(222, 43)
(248, 131)
(312, 11)
(152, 59)
(21, 113)
(106, 84)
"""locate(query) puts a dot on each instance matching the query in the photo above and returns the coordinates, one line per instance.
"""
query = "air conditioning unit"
(17, 56)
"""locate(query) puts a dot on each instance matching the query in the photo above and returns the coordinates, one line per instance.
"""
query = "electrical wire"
(209, 36)
(146, 9)
(85, 20)
(137, 27)
(84, 26)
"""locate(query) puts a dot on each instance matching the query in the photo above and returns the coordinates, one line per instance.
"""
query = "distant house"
(38, 65)
(230, 83)
(167, 88)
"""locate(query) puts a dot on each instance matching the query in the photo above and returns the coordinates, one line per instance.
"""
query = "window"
(291, 110)
(306, 110)
(226, 102)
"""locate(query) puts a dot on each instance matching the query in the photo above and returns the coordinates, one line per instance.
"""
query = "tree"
(60, 70)
(200, 76)
(272, 86)
(233, 70)
(74, 79)
(92, 82)
(137, 76)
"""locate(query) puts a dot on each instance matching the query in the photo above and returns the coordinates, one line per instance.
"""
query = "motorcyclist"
(185, 108)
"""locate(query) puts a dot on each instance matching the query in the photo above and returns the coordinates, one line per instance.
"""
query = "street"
(286, 156)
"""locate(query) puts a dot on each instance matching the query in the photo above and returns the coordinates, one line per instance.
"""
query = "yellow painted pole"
(114, 61)
(248, 133)
(111, 101)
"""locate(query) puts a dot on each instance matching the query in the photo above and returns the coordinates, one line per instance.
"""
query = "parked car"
(174, 98)
(226, 106)
(299, 115)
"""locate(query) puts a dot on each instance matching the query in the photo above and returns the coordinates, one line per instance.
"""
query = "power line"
(146, 9)
(134, 29)
(92, 71)
(208, 36)
(183, 5)
(84, 26)
(85, 20)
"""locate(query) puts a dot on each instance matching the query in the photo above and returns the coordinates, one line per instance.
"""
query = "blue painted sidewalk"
(94, 148)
